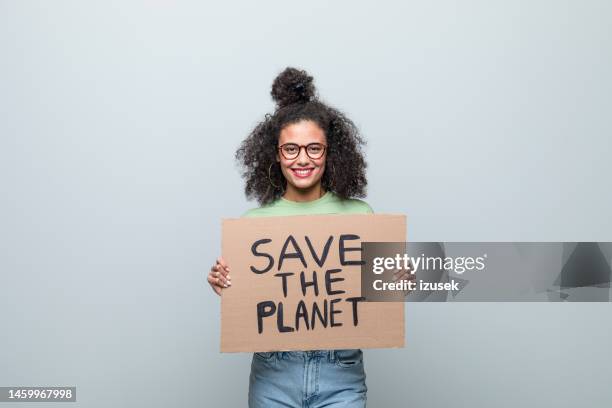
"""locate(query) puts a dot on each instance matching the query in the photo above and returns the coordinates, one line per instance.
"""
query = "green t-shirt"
(329, 203)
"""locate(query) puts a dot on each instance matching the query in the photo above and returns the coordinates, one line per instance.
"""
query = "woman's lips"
(303, 173)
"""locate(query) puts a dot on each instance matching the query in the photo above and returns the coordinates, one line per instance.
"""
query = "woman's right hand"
(218, 277)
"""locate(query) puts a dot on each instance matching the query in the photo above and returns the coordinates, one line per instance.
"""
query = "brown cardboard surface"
(379, 325)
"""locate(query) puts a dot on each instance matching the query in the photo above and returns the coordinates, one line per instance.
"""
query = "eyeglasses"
(292, 150)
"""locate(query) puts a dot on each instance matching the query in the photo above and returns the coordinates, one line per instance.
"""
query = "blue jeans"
(307, 379)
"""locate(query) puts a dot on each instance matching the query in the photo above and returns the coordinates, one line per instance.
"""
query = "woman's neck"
(304, 195)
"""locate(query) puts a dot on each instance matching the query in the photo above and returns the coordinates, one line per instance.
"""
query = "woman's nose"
(303, 157)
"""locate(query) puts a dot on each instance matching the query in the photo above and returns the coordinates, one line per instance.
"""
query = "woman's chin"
(303, 184)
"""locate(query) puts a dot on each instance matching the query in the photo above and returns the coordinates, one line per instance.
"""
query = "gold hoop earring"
(269, 176)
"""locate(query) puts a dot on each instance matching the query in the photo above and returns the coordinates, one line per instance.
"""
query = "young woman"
(305, 158)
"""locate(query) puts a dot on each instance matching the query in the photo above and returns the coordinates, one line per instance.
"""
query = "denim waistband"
(309, 354)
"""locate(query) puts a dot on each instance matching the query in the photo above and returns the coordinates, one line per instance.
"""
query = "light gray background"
(486, 121)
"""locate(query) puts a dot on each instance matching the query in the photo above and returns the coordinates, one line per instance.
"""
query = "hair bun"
(292, 86)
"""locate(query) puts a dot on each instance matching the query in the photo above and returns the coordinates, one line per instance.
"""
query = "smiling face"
(303, 173)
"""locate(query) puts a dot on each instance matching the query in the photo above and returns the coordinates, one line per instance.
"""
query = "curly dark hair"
(294, 93)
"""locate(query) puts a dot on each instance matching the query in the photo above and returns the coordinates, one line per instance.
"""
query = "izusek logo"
(458, 264)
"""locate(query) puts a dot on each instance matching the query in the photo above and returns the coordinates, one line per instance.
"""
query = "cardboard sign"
(296, 284)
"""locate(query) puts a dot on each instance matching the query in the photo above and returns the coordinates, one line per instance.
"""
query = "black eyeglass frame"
(280, 148)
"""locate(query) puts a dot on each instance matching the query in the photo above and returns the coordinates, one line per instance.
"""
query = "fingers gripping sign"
(219, 277)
